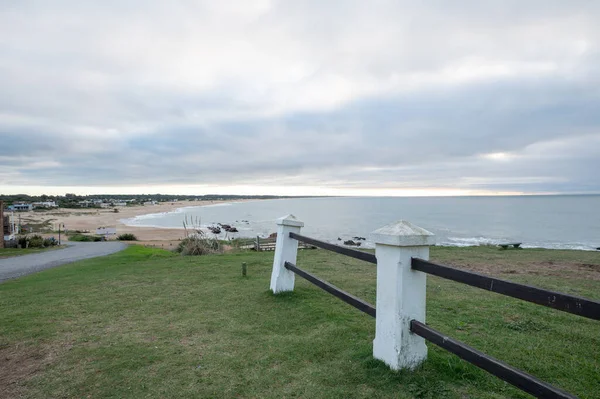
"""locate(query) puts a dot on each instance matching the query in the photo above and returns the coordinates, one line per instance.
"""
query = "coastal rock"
(352, 243)
(214, 229)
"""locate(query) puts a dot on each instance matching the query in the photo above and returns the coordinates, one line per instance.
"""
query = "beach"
(89, 219)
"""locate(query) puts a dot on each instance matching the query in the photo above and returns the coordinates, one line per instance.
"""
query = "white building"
(45, 204)
(119, 203)
(20, 207)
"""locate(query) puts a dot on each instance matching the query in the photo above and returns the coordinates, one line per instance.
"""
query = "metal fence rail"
(513, 376)
(332, 289)
(556, 300)
(353, 253)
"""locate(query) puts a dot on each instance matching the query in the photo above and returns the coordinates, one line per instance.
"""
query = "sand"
(89, 219)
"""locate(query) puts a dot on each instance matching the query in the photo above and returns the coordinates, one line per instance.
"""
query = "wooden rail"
(513, 376)
(556, 300)
(353, 253)
(332, 289)
(523, 381)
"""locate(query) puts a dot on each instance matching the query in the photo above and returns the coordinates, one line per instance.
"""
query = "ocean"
(560, 222)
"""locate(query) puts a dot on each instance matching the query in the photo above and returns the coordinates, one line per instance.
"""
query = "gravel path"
(18, 266)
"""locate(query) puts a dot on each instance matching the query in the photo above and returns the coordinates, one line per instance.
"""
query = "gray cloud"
(470, 95)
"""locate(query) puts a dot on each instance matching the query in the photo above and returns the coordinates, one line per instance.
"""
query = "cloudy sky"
(300, 97)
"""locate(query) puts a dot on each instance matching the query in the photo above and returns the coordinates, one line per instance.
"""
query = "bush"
(84, 238)
(196, 242)
(22, 241)
(36, 241)
(50, 242)
(127, 237)
(198, 245)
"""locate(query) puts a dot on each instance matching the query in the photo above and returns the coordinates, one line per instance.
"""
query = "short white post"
(286, 249)
(401, 294)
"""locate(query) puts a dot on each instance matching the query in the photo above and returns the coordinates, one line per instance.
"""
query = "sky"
(300, 97)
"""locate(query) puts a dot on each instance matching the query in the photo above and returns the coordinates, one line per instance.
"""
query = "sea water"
(566, 221)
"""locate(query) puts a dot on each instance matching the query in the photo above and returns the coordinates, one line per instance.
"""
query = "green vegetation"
(198, 245)
(148, 323)
(35, 241)
(11, 252)
(84, 238)
(70, 200)
(127, 237)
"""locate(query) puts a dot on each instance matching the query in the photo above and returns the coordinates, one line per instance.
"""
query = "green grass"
(11, 252)
(146, 323)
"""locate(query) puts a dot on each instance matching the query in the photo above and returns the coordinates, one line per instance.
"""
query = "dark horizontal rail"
(556, 300)
(367, 257)
(516, 377)
(332, 289)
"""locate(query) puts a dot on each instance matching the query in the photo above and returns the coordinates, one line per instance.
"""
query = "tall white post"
(400, 293)
(286, 249)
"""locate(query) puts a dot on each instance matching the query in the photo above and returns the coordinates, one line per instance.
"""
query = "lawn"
(11, 252)
(146, 323)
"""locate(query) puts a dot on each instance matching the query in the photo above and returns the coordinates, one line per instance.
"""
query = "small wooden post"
(257, 244)
(244, 269)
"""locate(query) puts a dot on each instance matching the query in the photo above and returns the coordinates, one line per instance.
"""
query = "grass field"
(146, 323)
(10, 252)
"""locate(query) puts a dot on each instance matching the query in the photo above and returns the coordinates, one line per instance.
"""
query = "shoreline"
(89, 219)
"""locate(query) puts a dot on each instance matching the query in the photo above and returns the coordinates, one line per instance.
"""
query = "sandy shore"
(89, 219)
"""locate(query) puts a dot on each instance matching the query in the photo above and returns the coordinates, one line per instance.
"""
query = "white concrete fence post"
(401, 294)
(286, 249)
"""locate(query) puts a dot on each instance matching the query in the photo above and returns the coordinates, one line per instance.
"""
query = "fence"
(401, 256)
(266, 244)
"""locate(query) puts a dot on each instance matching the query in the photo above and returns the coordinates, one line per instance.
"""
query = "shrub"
(22, 241)
(50, 242)
(36, 241)
(127, 237)
(198, 245)
(84, 238)
(196, 242)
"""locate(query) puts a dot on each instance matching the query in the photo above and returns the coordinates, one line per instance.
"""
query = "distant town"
(26, 203)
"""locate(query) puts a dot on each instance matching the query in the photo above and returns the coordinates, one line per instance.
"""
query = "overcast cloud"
(480, 96)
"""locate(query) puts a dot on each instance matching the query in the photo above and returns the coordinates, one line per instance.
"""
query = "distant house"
(119, 203)
(45, 204)
(20, 207)
(104, 205)
(106, 231)
(85, 203)
(150, 203)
